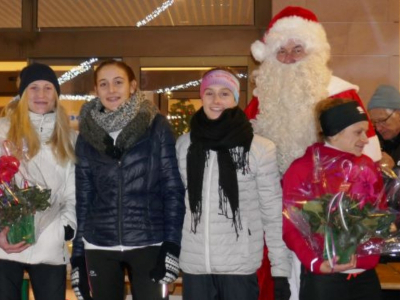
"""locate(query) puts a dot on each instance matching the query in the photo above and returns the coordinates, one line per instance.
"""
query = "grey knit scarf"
(112, 121)
(134, 118)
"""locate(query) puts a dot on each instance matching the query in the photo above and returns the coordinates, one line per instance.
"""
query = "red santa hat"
(292, 23)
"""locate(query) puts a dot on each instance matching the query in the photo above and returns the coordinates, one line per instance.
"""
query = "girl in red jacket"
(322, 170)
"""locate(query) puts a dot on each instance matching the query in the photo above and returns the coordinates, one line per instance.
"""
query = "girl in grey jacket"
(233, 198)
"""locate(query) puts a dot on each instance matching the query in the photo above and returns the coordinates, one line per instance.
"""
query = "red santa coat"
(297, 186)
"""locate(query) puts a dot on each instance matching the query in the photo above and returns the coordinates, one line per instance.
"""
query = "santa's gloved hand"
(167, 267)
(79, 278)
(281, 288)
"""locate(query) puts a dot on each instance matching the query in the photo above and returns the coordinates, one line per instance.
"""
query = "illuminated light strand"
(71, 74)
(169, 117)
(159, 91)
(188, 84)
(82, 68)
(179, 87)
(77, 97)
(155, 13)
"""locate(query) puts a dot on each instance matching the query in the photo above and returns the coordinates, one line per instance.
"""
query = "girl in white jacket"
(38, 121)
(233, 198)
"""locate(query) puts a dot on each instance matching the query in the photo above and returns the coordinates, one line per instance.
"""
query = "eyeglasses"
(382, 122)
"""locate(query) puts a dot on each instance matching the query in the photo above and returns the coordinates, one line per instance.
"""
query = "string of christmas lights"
(179, 87)
(77, 97)
(82, 68)
(155, 13)
(187, 85)
(159, 91)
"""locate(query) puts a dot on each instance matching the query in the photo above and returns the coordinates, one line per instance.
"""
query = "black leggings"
(220, 287)
(48, 281)
(363, 286)
(106, 271)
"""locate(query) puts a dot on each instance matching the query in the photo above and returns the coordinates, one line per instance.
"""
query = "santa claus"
(292, 77)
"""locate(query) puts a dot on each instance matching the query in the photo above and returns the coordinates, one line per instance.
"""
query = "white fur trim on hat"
(373, 149)
(308, 33)
(258, 50)
(338, 85)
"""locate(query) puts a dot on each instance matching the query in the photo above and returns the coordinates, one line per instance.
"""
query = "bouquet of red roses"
(342, 212)
(19, 202)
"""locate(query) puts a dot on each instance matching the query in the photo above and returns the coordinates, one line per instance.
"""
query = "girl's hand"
(387, 161)
(9, 248)
(337, 268)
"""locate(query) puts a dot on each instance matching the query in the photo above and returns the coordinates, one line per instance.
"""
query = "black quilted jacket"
(131, 197)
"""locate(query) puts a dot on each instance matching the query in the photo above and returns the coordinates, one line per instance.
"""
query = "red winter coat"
(297, 185)
(337, 88)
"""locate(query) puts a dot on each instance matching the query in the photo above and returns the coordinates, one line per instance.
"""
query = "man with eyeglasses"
(384, 110)
(292, 77)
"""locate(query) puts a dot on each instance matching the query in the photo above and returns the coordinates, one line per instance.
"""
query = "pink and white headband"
(223, 78)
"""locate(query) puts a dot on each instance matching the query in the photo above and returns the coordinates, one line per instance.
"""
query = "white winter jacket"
(50, 247)
(215, 248)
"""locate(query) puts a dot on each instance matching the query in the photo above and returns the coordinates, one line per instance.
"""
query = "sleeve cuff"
(315, 265)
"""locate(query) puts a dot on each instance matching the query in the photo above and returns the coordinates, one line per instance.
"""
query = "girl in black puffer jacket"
(130, 205)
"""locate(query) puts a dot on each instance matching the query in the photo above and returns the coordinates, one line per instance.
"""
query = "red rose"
(9, 166)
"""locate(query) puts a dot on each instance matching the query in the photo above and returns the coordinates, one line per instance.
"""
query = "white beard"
(287, 95)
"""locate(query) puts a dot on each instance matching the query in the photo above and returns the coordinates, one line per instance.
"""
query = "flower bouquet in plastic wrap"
(391, 177)
(20, 197)
(341, 211)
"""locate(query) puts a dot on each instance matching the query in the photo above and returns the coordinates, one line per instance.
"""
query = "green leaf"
(313, 206)
(29, 201)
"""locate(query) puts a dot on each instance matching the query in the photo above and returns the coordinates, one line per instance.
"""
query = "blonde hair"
(23, 134)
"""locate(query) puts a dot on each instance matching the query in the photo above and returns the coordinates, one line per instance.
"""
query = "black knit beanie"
(35, 72)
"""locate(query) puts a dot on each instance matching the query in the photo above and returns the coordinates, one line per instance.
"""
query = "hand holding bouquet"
(342, 227)
(19, 202)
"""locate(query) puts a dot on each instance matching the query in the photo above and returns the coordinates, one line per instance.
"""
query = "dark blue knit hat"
(35, 72)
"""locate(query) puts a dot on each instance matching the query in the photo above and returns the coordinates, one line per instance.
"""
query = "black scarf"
(230, 136)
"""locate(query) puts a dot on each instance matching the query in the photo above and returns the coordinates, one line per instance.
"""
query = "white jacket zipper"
(207, 202)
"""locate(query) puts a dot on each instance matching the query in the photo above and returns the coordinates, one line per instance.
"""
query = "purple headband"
(221, 77)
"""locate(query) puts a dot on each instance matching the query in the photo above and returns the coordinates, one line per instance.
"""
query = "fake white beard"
(287, 96)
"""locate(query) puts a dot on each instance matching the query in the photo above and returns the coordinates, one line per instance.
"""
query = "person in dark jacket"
(384, 109)
(130, 197)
